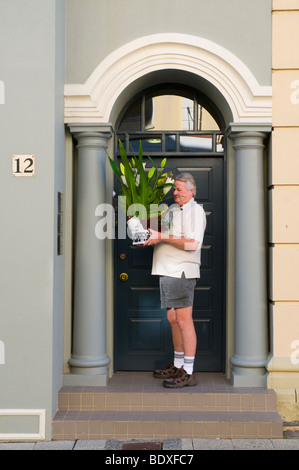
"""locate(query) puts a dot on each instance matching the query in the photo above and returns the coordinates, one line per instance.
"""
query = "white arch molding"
(92, 102)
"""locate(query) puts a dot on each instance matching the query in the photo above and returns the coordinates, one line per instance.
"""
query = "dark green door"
(142, 334)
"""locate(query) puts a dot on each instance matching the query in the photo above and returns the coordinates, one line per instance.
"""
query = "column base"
(81, 379)
(245, 380)
(249, 372)
(87, 371)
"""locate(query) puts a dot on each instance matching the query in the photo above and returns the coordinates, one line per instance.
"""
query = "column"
(250, 322)
(89, 361)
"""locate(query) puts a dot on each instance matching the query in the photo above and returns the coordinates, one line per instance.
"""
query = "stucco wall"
(95, 28)
(31, 300)
(284, 222)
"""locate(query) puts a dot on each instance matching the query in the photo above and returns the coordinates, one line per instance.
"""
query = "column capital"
(235, 128)
(104, 130)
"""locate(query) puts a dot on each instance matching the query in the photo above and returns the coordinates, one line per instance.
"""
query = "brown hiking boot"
(181, 379)
(169, 371)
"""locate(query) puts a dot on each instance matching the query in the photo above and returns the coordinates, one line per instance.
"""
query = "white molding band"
(93, 101)
(40, 435)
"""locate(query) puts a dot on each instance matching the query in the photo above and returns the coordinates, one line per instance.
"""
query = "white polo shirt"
(187, 221)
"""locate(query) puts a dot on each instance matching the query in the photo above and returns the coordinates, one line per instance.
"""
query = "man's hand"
(181, 243)
(155, 238)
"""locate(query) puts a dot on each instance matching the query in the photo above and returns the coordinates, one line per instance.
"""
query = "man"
(176, 260)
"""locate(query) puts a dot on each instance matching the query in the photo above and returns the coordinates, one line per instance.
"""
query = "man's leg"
(170, 369)
(177, 338)
(186, 326)
(183, 334)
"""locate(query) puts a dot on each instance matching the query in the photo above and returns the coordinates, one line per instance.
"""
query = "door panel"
(142, 333)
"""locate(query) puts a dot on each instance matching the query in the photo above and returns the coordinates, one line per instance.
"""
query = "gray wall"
(31, 274)
(94, 28)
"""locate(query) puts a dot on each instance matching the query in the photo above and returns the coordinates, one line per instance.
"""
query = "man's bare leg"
(177, 338)
(183, 331)
(183, 335)
(186, 325)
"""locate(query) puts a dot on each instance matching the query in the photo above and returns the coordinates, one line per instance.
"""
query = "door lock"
(123, 277)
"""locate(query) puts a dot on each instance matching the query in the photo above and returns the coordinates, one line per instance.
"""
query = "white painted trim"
(93, 101)
(22, 436)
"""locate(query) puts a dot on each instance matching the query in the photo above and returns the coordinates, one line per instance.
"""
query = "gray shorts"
(176, 292)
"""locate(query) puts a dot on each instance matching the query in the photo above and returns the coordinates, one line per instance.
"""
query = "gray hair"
(188, 179)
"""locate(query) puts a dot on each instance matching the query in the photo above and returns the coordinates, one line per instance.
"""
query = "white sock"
(188, 364)
(178, 359)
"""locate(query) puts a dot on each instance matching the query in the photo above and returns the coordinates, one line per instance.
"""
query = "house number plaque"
(23, 165)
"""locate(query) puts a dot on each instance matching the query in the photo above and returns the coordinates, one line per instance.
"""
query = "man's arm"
(182, 243)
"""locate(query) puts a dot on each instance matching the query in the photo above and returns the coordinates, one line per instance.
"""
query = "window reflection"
(170, 143)
(196, 143)
(150, 144)
(170, 112)
(220, 143)
(206, 122)
(167, 112)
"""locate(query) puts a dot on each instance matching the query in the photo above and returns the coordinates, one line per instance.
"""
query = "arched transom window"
(170, 120)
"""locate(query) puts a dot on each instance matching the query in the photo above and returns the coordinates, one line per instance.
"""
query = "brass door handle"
(123, 277)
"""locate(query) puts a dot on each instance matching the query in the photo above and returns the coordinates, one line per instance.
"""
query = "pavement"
(289, 443)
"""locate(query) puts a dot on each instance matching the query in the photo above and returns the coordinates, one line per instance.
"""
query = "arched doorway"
(91, 112)
(182, 125)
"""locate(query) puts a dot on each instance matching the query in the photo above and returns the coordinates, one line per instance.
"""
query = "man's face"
(181, 193)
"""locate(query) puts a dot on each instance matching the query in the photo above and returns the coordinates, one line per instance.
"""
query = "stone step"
(137, 406)
(94, 425)
(163, 401)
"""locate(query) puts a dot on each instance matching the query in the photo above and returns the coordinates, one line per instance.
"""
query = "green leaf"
(129, 175)
(143, 181)
(114, 167)
(152, 196)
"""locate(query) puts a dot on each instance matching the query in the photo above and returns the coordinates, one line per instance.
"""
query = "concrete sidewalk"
(168, 444)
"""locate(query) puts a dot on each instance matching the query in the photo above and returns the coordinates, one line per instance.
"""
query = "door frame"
(222, 155)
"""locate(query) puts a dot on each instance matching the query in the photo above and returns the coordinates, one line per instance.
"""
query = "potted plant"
(144, 191)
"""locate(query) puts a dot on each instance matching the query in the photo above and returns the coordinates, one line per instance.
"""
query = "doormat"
(142, 446)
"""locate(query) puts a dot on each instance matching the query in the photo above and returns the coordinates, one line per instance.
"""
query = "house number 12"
(23, 165)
